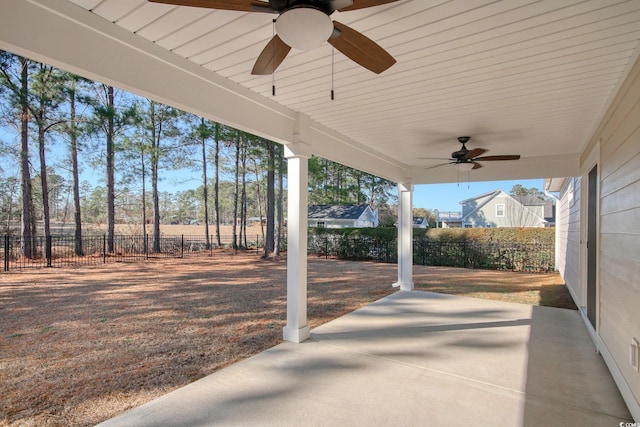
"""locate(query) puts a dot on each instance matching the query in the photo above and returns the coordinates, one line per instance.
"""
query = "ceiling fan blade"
(492, 158)
(441, 164)
(476, 165)
(361, 4)
(271, 57)
(474, 153)
(240, 5)
(360, 48)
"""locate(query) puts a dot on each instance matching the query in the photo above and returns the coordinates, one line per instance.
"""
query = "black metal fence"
(59, 251)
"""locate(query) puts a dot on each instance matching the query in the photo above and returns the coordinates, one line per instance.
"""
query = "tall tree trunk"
(28, 217)
(73, 134)
(216, 183)
(205, 188)
(43, 175)
(279, 205)
(111, 182)
(155, 160)
(269, 241)
(243, 200)
(144, 201)
(235, 193)
(258, 197)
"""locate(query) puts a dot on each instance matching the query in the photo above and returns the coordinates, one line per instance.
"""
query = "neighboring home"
(342, 216)
(499, 209)
(543, 208)
(449, 220)
(420, 222)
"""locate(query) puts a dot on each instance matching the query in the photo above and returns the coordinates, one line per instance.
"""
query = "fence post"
(104, 248)
(257, 249)
(182, 247)
(326, 247)
(6, 252)
(386, 251)
(354, 248)
(464, 254)
(47, 250)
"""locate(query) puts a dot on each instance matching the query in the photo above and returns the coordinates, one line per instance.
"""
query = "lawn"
(80, 345)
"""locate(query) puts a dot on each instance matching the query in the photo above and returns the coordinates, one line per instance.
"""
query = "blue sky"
(447, 197)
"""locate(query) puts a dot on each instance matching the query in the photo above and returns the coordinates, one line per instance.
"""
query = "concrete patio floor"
(410, 359)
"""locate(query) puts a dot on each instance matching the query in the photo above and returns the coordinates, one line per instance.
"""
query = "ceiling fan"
(304, 25)
(469, 158)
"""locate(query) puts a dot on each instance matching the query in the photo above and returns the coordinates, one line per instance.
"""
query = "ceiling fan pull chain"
(273, 55)
(333, 51)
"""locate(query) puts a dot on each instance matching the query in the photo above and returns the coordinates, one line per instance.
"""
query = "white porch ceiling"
(520, 77)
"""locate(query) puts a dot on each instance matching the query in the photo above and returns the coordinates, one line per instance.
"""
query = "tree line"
(54, 125)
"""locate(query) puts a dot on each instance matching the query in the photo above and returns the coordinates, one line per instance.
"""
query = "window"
(500, 210)
(320, 224)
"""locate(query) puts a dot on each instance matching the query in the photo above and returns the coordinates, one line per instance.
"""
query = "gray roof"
(336, 211)
(530, 200)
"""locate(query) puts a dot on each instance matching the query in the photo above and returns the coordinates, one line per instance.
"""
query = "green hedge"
(490, 235)
(382, 233)
(516, 249)
(481, 235)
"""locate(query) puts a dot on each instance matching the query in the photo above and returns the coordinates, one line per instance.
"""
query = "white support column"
(405, 237)
(297, 329)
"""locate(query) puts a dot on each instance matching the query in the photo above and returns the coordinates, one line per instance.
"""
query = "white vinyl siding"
(568, 229)
(619, 289)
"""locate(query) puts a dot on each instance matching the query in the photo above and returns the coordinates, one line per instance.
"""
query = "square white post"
(297, 329)
(405, 237)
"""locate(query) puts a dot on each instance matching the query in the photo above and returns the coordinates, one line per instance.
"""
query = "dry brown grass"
(173, 229)
(80, 345)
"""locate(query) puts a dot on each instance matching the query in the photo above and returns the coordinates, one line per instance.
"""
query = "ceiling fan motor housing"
(460, 154)
(323, 5)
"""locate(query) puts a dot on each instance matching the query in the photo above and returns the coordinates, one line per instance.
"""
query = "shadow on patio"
(412, 358)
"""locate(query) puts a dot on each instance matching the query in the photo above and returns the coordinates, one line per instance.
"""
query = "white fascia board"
(62, 34)
(331, 145)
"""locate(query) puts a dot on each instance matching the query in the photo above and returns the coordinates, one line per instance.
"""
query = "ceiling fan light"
(465, 167)
(304, 28)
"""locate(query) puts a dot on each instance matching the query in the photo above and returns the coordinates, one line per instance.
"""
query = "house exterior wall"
(469, 205)
(619, 264)
(615, 147)
(514, 214)
(368, 218)
(568, 230)
(332, 223)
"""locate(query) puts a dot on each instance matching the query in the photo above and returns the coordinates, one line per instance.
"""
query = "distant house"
(342, 216)
(544, 208)
(449, 220)
(420, 222)
(499, 209)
